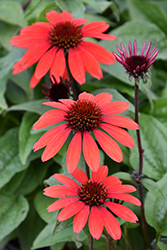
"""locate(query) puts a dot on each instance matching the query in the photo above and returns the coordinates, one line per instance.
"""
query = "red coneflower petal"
(57, 105)
(66, 15)
(79, 175)
(101, 173)
(62, 203)
(76, 66)
(122, 189)
(74, 152)
(59, 191)
(100, 53)
(79, 21)
(67, 102)
(121, 211)
(95, 223)
(115, 107)
(99, 27)
(34, 81)
(121, 121)
(86, 96)
(125, 197)
(36, 28)
(70, 210)
(58, 66)
(18, 67)
(111, 224)
(53, 17)
(45, 63)
(119, 134)
(55, 145)
(49, 118)
(112, 181)
(102, 99)
(66, 180)
(110, 147)
(91, 65)
(23, 41)
(89, 145)
(80, 219)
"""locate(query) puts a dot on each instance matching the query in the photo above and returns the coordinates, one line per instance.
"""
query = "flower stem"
(91, 242)
(141, 152)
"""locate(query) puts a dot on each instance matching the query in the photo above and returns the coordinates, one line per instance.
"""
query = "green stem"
(91, 242)
(157, 241)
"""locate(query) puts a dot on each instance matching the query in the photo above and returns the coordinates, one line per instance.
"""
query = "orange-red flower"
(97, 198)
(49, 42)
(88, 116)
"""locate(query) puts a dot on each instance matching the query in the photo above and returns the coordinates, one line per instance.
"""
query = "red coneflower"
(48, 43)
(94, 198)
(136, 65)
(89, 115)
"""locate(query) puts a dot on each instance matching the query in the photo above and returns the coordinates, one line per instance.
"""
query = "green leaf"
(3, 104)
(154, 142)
(152, 187)
(9, 156)
(162, 246)
(15, 94)
(11, 12)
(12, 212)
(124, 176)
(156, 209)
(27, 140)
(7, 32)
(99, 6)
(75, 7)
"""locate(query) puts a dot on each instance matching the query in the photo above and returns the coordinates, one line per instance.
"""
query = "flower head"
(94, 198)
(48, 43)
(136, 65)
(58, 90)
(85, 118)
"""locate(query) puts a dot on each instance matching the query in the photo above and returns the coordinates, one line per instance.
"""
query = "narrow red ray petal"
(101, 173)
(58, 66)
(53, 17)
(59, 191)
(115, 108)
(66, 180)
(121, 121)
(35, 28)
(57, 105)
(95, 223)
(45, 63)
(119, 134)
(86, 96)
(100, 53)
(61, 203)
(34, 81)
(76, 66)
(110, 147)
(111, 181)
(43, 24)
(91, 65)
(79, 175)
(23, 41)
(102, 99)
(66, 15)
(125, 197)
(99, 36)
(98, 27)
(49, 118)
(80, 219)
(121, 211)
(48, 136)
(79, 21)
(122, 189)
(70, 210)
(67, 102)
(111, 224)
(18, 67)
(74, 152)
(91, 152)
(55, 145)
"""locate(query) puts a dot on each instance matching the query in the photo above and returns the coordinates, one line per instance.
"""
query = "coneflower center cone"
(83, 116)
(136, 62)
(65, 35)
(92, 193)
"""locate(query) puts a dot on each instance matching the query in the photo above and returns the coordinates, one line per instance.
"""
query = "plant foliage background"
(23, 176)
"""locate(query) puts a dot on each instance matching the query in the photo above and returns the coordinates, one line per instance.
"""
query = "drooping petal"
(57, 105)
(102, 99)
(111, 181)
(80, 219)
(110, 147)
(91, 151)
(58, 66)
(79, 175)
(86, 96)
(34, 81)
(62, 203)
(121, 211)
(122, 189)
(66, 180)
(100, 53)
(76, 66)
(121, 121)
(60, 191)
(101, 173)
(45, 63)
(91, 65)
(111, 224)
(67, 102)
(119, 134)
(70, 210)
(74, 152)
(95, 223)
(115, 107)
(49, 118)
(125, 197)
